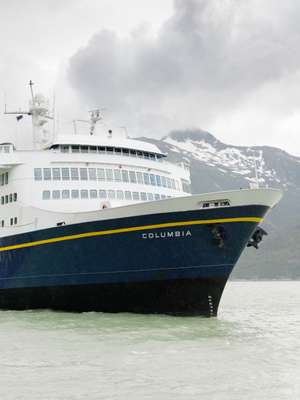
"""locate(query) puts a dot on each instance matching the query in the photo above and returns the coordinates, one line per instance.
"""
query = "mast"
(39, 112)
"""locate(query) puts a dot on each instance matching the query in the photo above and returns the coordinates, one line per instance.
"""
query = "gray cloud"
(207, 59)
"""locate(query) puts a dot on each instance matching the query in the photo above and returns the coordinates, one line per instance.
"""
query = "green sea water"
(250, 351)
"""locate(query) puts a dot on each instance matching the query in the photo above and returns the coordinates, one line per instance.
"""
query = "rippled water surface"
(251, 351)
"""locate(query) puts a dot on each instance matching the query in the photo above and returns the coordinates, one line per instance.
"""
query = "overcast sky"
(231, 67)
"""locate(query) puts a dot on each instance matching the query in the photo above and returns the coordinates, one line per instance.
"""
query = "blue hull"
(167, 262)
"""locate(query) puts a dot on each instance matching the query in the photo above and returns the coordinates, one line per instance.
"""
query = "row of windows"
(13, 221)
(108, 150)
(101, 194)
(4, 179)
(9, 198)
(216, 203)
(102, 174)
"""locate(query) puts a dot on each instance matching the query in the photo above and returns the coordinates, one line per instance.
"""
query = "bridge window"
(152, 180)
(74, 174)
(128, 195)
(84, 194)
(139, 176)
(117, 175)
(102, 194)
(55, 194)
(92, 174)
(146, 179)
(150, 196)
(83, 174)
(93, 194)
(101, 174)
(47, 174)
(56, 174)
(65, 194)
(132, 176)
(135, 195)
(46, 195)
(143, 196)
(65, 173)
(75, 194)
(38, 174)
(109, 175)
(125, 177)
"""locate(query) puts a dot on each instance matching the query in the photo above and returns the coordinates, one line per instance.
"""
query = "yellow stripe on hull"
(130, 229)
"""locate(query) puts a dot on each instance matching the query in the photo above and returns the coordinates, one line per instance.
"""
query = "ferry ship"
(100, 221)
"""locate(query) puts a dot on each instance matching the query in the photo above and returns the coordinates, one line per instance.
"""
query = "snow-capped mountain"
(219, 166)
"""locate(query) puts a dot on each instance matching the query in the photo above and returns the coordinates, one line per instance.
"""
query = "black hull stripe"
(130, 229)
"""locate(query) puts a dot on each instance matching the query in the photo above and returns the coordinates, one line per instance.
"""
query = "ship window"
(125, 152)
(157, 196)
(93, 194)
(110, 150)
(93, 149)
(111, 194)
(143, 196)
(83, 174)
(168, 183)
(101, 149)
(109, 175)
(15, 196)
(38, 174)
(84, 194)
(117, 175)
(225, 203)
(6, 199)
(158, 180)
(47, 174)
(92, 174)
(11, 221)
(10, 197)
(135, 195)
(146, 178)
(125, 177)
(163, 181)
(140, 154)
(139, 176)
(216, 204)
(133, 153)
(75, 149)
(101, 174)
(6, 178)
(15, 220)
(152, 156)
(120, 195)
(64, 149)
(172, 183)
(102, 194)
(205, 205)
(163, 196)
(146, 155)
(74, 174)
(132, 176)
(65, 173)
(56, 194)
(65, 194)
(150, 196)
(128, 195)
(118, 151)
(46, 194)
(75, 194)
(2, 223)
(152, 179)
(2, 179)
(2, 200)
(84, 149)
(56, 174)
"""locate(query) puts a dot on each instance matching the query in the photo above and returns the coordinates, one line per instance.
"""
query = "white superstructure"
(78, 174)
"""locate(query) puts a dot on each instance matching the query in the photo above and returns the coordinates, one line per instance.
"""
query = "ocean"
(250, 351)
